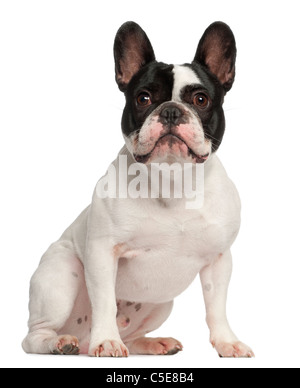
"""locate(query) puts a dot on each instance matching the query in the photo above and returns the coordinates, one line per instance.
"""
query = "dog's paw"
(110, 348)
(158, 346)
(65, 344)
(233, 349)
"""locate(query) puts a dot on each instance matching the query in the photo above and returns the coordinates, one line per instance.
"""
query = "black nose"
(171, 115)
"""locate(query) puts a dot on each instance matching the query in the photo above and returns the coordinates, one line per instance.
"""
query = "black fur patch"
(157, 79)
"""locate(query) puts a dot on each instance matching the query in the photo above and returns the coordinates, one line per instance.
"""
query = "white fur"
(161, 247)
(183, 76)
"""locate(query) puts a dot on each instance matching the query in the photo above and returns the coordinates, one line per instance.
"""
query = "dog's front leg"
(100, 272)
(215, 278)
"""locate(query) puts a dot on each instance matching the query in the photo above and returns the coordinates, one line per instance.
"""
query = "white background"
(60, 112)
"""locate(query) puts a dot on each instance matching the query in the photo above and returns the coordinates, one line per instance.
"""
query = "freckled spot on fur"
(207, 287)
(148, 250)
(162, 203)
(129, 303)
(79, 321)
(85, 318)
(138, 306)
(75, 274)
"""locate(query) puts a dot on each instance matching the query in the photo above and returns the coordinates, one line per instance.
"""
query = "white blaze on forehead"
(183, 76)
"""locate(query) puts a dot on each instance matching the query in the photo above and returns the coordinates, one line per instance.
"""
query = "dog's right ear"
(132, 51)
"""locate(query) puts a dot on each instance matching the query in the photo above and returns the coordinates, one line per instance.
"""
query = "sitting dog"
(126, 257)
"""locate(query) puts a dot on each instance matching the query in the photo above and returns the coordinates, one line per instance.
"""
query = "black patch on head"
(157, 79)
(213, 120)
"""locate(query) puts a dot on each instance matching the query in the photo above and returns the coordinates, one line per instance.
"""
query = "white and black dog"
(112, 276)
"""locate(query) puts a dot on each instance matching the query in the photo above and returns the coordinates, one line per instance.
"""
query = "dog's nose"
(171, 115)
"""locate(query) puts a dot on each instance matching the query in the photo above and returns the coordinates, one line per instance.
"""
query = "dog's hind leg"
(54, 288)
(149, 317)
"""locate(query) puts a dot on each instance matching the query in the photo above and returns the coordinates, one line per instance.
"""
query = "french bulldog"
(112, 276)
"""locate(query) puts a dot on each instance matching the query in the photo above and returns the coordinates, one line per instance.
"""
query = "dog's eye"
(144, 99)
(201, 100)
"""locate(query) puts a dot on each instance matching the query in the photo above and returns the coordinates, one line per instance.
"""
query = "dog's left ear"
(217, 52)
(132, 51)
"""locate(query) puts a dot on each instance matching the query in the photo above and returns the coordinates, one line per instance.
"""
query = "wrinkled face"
(173, 114)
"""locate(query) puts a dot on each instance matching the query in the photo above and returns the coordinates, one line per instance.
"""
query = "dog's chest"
(165, 254)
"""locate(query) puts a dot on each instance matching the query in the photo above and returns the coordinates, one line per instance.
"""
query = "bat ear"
(132, 51)
(217, 51)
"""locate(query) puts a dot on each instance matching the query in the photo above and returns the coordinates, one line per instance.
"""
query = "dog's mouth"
(171, 143)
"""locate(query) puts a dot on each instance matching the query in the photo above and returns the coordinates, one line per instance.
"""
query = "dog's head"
(174, 113)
